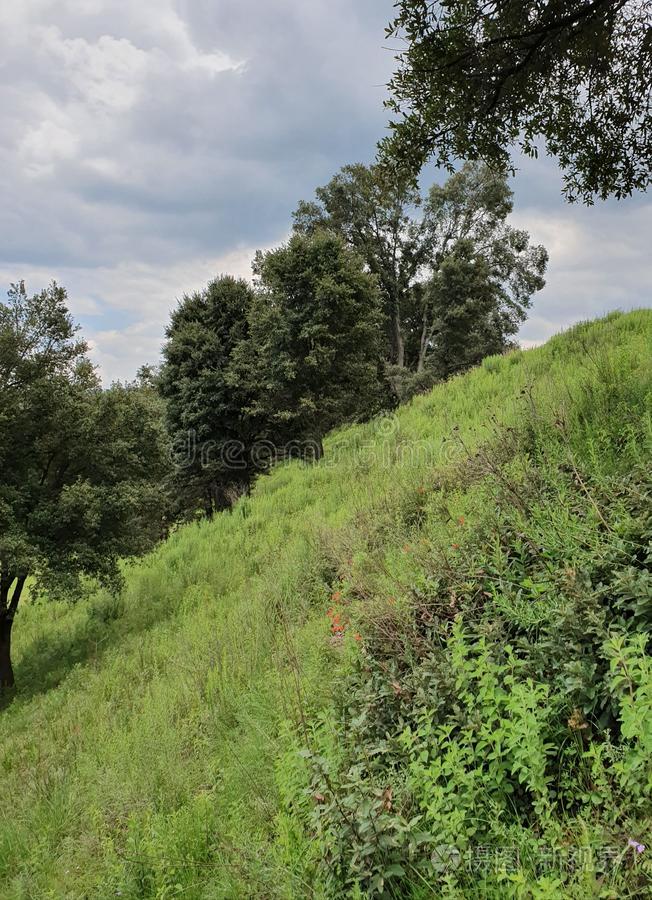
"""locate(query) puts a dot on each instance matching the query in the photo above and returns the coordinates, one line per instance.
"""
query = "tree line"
(379, 293)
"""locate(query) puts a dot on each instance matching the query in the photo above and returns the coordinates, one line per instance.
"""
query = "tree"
(379, 220)
(471, 319)
(204, 401)
(313, 357)
(466, 218)
(79, 466)
(371, 212)
(478, 77)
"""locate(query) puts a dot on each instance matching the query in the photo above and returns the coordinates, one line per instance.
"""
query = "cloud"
(599, 261)
(148, 146)
(124, 308)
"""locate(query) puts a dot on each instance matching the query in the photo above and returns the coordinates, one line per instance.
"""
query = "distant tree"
(204, 400)
(470, 318)
(313, 358)
(373, 213)
(405, 241)
(79, 467)
(466, 218)
(478, 77)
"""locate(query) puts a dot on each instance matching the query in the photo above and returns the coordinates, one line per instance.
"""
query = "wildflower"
(357, 636)
(455, 546)
(635, 844)
(461, 520)
(337, 595)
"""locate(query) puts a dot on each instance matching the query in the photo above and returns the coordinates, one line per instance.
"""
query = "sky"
(149, 146)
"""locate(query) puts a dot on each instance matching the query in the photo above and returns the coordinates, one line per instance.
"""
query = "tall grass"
(151, 749)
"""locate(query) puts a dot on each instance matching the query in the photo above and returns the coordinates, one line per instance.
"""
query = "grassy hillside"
(417, 668)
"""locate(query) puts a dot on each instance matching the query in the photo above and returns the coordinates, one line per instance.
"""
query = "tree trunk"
(8, 607)
(6, 670)
(399, 346)
(423, 347)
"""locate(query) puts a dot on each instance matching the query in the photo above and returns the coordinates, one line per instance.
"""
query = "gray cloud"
(147, 146)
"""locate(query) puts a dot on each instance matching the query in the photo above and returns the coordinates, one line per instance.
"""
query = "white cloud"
(142, 293)
(148, 146)
(599, 261)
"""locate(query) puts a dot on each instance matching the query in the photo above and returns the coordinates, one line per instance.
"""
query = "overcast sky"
(148, 145)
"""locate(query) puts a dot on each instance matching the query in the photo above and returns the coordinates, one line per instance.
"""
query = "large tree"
(471, 318)
(313, 357)
(204, 401)
(480, 76)
(467, 217)
(373, 213)
(405, 240)
(79, 467)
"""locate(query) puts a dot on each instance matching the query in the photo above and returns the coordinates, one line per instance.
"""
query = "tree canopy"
(478, 77)
(80, 468)
(204, 405)
(405, 239)
(313, 359)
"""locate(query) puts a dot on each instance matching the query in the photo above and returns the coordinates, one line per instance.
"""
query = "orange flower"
(336, 596)
(455, 546)
(461, 520)
(357, 636)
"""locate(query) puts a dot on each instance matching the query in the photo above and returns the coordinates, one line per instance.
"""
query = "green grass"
(206, 735)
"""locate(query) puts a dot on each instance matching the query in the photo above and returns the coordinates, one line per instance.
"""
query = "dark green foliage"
(312, 361)
(204, 400)
(414, 257)
(477, 78)
(471, 320)
(80, 466)
(372, 213)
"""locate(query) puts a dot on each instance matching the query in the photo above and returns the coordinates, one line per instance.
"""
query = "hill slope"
(419, 667)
